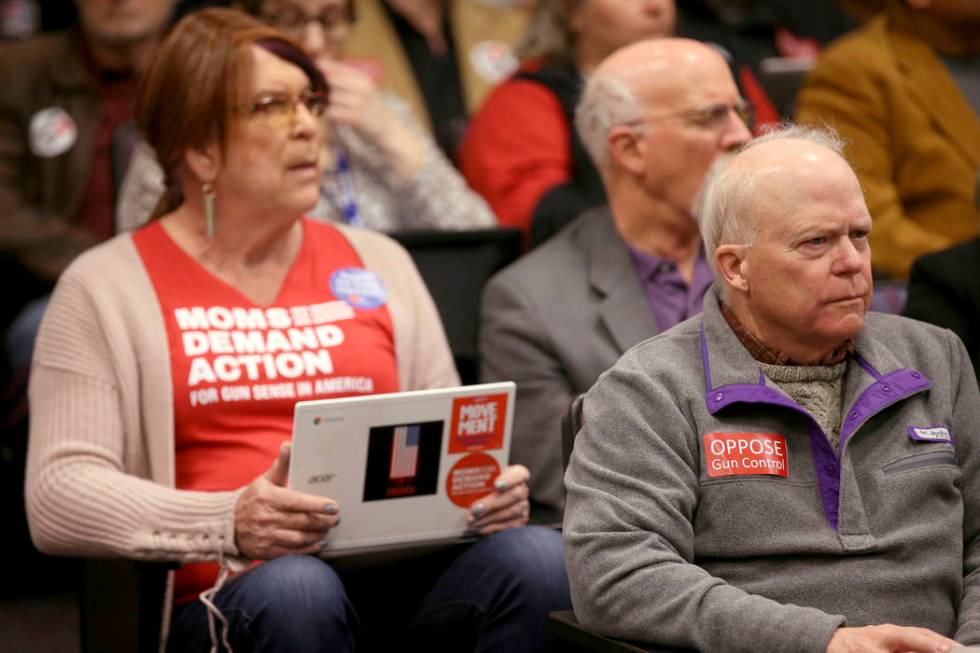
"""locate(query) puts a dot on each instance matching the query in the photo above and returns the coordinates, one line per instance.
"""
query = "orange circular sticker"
(471, 478)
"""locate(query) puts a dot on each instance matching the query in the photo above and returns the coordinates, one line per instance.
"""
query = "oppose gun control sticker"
(733, 454)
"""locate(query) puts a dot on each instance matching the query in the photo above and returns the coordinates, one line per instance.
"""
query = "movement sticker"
(478, 423)
(733, 454)
(471, 478)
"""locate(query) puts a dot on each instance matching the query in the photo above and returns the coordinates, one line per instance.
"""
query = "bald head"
(666, 74)
(769, 171)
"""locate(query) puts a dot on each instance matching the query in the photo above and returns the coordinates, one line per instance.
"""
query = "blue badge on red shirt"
(358, 287)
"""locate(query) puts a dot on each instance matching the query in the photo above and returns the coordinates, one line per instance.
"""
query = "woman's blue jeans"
(492, 595)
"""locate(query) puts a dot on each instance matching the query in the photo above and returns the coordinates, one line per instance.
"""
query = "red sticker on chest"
(733, 454)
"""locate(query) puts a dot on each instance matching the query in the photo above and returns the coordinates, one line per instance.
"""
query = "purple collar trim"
(886, 390)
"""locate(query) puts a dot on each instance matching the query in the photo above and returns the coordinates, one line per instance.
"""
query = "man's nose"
(850, 259)
(736, 133)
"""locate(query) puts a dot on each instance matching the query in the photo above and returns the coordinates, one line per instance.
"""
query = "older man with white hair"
(785, 472)
(654, 116)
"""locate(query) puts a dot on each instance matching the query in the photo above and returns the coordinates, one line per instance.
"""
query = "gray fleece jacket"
(706, 509)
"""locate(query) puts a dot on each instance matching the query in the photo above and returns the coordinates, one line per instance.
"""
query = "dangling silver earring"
(207, 189)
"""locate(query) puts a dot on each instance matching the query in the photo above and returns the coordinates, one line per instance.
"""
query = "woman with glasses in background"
(150, 438)
(382, 170)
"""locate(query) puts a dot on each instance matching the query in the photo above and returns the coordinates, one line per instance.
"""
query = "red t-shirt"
(238, 368)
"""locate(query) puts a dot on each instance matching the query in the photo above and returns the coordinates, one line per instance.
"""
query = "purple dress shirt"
(671, 299)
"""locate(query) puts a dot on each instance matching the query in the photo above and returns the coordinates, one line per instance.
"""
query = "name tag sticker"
(930, 434)
(358, 287)
(734, 454)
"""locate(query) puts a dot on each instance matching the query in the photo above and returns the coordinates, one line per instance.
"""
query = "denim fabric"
(496, 595)
(293, 603)
(492, 595)
(23, 332)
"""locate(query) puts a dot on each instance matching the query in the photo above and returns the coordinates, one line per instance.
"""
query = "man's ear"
(733, 266)
(203, 162)
(626, 149)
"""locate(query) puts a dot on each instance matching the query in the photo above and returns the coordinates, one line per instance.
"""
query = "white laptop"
(405, 467)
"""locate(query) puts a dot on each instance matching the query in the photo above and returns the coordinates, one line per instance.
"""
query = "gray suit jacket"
(552, 322)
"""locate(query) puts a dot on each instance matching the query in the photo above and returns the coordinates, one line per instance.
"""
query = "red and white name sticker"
(478, 423)
(733, 454)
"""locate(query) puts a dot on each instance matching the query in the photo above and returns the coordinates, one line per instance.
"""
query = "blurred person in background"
(383, 171)
(442, 57)
(904, 90)
(233, 109)
(521, 151)
(774, 42)
(63, 97)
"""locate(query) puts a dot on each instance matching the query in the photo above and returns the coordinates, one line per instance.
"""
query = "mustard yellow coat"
(484, 32)
(914, 138)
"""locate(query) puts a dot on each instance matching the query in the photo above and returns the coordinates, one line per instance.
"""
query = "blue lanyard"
(347, 202)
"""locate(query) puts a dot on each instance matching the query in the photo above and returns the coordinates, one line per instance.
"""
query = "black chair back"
(571, 424)
(121, 604)
(455, 266)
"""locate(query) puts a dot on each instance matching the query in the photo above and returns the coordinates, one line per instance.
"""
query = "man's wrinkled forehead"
(788, 163)
(656, 59)
(683, 81)
(790, 171)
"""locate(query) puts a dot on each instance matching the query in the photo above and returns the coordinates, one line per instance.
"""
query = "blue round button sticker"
(358, 287)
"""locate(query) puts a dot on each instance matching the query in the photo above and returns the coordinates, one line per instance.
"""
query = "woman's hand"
(356, 101)
(507, 506)
(271, 521)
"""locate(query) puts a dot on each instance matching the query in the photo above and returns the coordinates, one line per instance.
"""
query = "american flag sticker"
(403, 460)
(405, 451)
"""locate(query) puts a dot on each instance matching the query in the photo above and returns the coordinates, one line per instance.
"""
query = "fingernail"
(477, 510)
(331, 508)
(500, 484)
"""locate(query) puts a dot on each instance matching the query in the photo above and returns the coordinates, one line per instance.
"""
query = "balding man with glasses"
(654, 116)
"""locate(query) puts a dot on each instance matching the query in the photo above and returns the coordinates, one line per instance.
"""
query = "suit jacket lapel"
(624, 309)
(931, 85)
